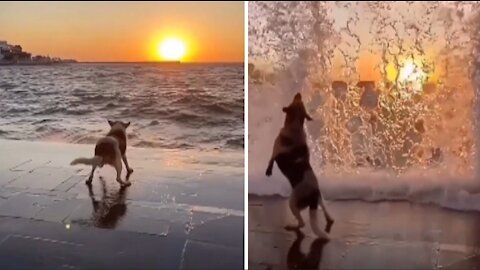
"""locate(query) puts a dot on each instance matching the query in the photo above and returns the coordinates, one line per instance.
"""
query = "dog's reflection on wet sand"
(108, 211)
(297, 260)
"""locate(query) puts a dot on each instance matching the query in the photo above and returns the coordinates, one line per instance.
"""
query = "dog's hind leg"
(296, 212)
(118, 168)
(314, 223)
(90, 178)
(328, 217)
(312, 201)
(129, 170)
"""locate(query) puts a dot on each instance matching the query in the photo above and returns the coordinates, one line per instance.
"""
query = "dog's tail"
(314, 224)
(96, 160)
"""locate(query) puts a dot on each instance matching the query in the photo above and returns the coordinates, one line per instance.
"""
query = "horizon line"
(155, 62)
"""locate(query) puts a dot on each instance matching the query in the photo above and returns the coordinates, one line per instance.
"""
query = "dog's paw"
(293, 227)
(129, 170)
(125, 184)
(324, 237)
(330, 221)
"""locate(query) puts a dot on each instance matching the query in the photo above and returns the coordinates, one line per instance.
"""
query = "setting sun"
(172, 49)
(411, 72)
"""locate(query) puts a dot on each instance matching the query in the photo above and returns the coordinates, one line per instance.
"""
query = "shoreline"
(236, 156)
(254, 197)
(431, 187)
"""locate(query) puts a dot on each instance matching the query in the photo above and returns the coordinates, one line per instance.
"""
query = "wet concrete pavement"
(384, 235)
(181, 208)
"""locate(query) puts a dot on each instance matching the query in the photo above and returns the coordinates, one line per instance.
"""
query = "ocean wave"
(217, 108)
(111, 105)
(434, 186)
(153, 123)
(17, 110)
(77, 111)
(152, 144)
(7, 86)
(86, 139)
(49, 111)
(163, 103)
(237, 142)
(42, 121)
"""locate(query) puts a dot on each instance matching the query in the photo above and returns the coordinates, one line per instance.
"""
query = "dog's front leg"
(276, 150)
(129, 170)
(270, 167)
(90, 178)
(118, 168)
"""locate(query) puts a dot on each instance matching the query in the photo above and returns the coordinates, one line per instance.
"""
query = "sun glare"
(172, 49)
(412, 74)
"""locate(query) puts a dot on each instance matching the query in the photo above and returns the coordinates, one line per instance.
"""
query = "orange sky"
(369, 52)
(125, 31)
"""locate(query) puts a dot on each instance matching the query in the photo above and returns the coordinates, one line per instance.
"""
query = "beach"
(381, 235)
(182, 206)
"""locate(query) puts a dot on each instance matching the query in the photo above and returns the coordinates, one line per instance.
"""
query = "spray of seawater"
(392, 87)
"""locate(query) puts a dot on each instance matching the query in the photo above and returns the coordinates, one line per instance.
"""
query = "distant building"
(16, 49)
(4, 49)
(14, 54)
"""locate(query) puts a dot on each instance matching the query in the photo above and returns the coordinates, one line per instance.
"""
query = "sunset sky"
(126, 31)
(364, 22)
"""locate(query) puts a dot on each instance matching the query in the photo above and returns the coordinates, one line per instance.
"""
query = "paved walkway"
(386, 235)
(183, 210)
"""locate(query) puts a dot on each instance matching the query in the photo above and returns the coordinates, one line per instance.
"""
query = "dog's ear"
(111, 123)
(297, 97)
(127, 124)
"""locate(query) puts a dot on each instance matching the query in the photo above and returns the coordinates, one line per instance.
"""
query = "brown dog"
(291, 154)
(111, 150)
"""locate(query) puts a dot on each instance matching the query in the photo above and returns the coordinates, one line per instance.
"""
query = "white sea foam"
(431, 161)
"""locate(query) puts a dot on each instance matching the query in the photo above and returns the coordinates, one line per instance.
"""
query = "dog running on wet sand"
(111, 150)
(291, 154)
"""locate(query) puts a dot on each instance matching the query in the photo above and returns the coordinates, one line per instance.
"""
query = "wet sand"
(181, 207)
(384, 235)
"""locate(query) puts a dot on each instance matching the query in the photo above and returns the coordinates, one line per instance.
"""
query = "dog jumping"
(291, 153)
(111, 150)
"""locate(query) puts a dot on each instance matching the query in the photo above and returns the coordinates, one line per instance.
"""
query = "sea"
(170, 106)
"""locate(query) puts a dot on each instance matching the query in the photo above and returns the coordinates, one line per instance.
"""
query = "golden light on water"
(412, 74)
(172, 49)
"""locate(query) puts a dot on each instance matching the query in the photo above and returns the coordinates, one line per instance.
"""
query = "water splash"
(389, 85)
